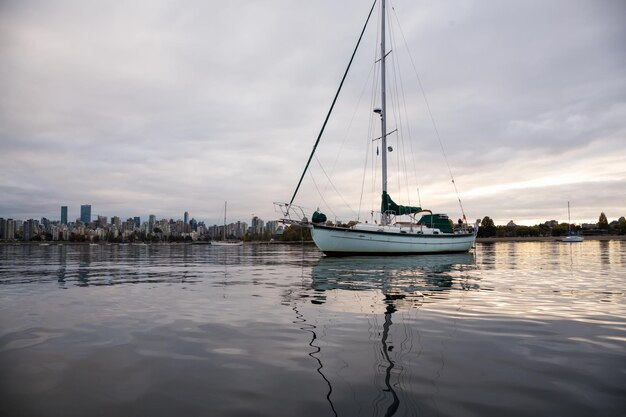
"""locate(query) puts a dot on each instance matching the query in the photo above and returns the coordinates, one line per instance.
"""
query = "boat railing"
(291, 214)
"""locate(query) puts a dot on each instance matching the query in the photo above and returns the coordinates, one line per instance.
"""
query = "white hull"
(339, 241)
(572, 239)
(226, 243)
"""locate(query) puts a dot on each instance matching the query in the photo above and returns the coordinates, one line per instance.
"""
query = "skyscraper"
(186, 217)
(137, 222)
(9, 230)
(63, 214)
(85, 213)
(28, 230)
(151, 222)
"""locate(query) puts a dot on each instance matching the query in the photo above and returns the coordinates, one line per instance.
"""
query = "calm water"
(513, 329)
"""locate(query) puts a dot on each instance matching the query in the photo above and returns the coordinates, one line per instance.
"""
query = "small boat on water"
(225, 242)
(571, 237)
(399, 229)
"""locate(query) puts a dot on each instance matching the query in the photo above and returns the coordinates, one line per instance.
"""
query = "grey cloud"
(157, 107)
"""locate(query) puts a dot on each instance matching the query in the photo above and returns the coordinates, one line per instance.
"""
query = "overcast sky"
(167, 106)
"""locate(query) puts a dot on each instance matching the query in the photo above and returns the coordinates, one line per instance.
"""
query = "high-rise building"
(137, 222)
(271, 226)
(85, 213)
(63, 214)
(102, 221)
(186, 217)
(256, 228)
(9, 230)
(151, 222)
(128, 225)
(45, 223)
(28, 230)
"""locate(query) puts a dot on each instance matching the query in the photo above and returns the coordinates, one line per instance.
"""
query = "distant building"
(272, 226)
(102, 221)
(137, 222)
(186, 217)
(85, 213)
(551, 223)
(45, 223)
(63, 214)
(128, 225)
(8, 232)
(55, 232)
(151, 222)
(29, 230)
(256, 228)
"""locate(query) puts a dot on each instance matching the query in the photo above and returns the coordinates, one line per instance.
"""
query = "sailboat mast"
(569, 220)
(225, 220)
(383, 105)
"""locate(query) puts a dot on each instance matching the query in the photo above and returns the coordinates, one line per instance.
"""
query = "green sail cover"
(388, 206)
(440, 221)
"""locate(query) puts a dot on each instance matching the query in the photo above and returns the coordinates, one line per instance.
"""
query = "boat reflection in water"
(370, 304)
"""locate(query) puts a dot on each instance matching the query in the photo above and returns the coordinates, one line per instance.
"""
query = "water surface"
(516, 329)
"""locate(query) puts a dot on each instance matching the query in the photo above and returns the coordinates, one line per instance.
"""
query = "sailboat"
(225, 242)
(571, 236)
(432, 233)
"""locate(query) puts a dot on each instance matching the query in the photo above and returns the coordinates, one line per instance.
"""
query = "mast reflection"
(392, 284)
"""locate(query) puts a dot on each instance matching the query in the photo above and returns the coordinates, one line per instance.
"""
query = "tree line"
(603, 227)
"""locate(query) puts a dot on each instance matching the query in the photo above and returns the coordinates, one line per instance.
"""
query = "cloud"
(151, 107)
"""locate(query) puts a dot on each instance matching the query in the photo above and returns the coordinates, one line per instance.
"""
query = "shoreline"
(63, 242)
(602, 238)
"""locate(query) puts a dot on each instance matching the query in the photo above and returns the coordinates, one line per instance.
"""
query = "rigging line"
(349, 127)
(321, 196)
(398, 80)
(317, 349)
(370, 127)
(395, 105)
(367, 154)
(372, 121)
(367, 148)
(432, 119)
(372, 178)
(410, 140)
(333, 185)
(319, 136)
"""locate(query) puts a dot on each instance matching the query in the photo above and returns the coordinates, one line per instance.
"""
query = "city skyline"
(186, 218)
(85, 210)
(137, 111)
(115, 229)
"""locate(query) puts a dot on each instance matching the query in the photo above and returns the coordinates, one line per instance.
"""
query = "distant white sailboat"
(225, 242)
(571, 236)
